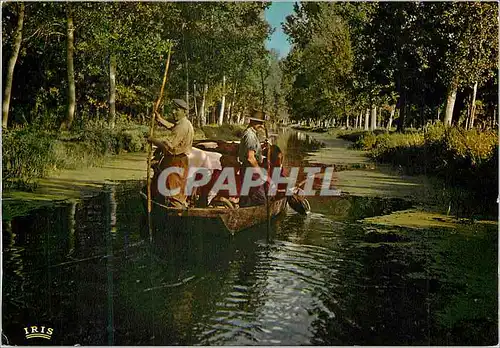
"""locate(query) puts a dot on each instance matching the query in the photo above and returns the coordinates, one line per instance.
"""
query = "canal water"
(89, 271)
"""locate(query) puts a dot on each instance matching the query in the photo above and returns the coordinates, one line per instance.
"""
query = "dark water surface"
(89, 271)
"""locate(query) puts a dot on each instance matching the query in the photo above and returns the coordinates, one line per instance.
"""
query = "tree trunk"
(223, 101)
(71, 72)
(203, 119)
(187, 89)
(391, 117)
(214, 115)
(276, 106)
(195, 106)
(367, 119)
(473, 106)
(231, 105)
(228, 113)
(347, 122)
(402, 114)
(186, 67)
(450, 103)
(374, 118)
(112, 90)
(263, 86)
(18, 36)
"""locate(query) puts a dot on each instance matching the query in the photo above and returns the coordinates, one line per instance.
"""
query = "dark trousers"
(256, 195)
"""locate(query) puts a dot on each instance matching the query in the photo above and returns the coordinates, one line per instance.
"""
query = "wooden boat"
(232, 220)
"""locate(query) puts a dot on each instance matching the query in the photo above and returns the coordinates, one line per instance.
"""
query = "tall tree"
(467, 42)
(223, 101)
(373, 124)
(112, 90)
(321, 60)
(70, 39)
(11, 65)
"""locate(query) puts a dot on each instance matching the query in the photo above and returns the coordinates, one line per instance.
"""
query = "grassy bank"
(31, 153)
(463, 159)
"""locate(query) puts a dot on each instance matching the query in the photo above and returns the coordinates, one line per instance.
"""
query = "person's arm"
(163, 145)
(255, 164)
(251, 158)
(164, 122)
(249, 145)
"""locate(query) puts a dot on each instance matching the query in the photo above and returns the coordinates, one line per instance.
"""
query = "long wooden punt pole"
(151, 133)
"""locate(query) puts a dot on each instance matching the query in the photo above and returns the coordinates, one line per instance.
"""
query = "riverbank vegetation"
(462, 159)
(81, 78)
(31, 153)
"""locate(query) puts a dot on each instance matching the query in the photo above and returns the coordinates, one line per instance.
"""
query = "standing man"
(250, 157)
(175, 147)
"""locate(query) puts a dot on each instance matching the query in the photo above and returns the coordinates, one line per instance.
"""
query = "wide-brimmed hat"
(180, 103)
(257, 116)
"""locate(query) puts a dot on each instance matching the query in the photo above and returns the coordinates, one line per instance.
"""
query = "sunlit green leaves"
(387, 52)
(209, 40)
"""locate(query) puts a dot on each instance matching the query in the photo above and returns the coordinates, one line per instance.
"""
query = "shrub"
(224, 132)
(457, 155)
(473, 145)
(132, 140)
(100, 140)
(30, 153)
(27, 154)
(465, 159)
(73, 155)
(353, 136)
(366, 142)
(435, 132)
(104, 140)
